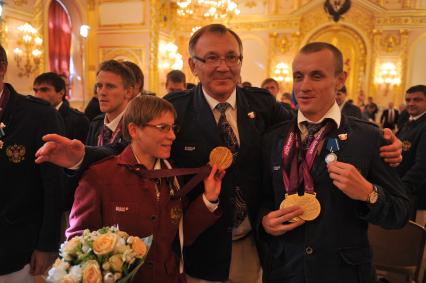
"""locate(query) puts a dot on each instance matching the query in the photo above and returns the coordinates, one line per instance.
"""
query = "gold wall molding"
(130, 53)
(401, 21)
(154, 38)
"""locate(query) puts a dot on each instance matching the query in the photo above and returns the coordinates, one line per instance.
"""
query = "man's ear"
(129, 93)
(62, 93)
(341, 79)
(131, 128)
(3, 69)
(191, 64)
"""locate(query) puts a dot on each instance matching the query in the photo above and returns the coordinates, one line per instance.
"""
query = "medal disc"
(308, 203)
(221, 156)
(330, 158)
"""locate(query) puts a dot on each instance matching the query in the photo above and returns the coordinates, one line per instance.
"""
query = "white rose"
(75, 273)
(55, 275)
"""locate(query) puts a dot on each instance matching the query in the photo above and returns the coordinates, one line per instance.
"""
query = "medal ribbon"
(291, 154)
(201, 173)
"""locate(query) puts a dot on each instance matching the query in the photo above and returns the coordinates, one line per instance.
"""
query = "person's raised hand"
(349, 180)
(213, 183)
(60, 151)
(392, 153)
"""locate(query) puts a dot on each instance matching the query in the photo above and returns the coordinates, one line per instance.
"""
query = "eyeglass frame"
(164, 128)
(219, 59)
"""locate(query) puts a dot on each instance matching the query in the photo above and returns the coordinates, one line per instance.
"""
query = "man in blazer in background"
(389, 118)
(347, 108)
(30, 201)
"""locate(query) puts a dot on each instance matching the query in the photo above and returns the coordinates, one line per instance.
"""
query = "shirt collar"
(333, 113)
(114, 123)
(416, 117)
(59, 105)
(232, 99)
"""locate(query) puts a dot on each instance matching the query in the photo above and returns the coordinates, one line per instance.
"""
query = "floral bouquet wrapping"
(107, 255)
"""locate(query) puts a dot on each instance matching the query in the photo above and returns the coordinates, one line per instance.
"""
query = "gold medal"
(221, 157)
(308, 203)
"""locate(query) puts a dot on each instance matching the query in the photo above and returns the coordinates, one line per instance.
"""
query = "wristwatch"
(373, 196)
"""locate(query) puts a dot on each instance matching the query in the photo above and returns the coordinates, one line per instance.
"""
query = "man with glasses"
(216, 113)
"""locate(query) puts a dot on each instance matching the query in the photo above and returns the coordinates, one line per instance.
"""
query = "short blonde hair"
(143, 109)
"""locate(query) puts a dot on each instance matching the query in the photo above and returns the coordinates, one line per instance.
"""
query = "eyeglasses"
(164, 128)
(214, 60)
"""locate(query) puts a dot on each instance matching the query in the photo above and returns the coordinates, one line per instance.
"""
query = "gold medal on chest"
(307, 202)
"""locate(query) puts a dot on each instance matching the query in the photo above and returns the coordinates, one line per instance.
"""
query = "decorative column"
(154, 81)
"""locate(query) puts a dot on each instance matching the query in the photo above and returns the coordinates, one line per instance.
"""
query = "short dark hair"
(52, 79)
(3, 56)
(137, 72)
(143, 109)
(212, 28)
(119, 69)
(269, 80)
(417, 88)
(319, 46)
(176, 76)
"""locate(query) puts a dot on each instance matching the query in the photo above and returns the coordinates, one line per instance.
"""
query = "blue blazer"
(334, 247)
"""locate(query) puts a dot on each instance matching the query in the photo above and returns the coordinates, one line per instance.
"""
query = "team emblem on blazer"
(406, 145)
(15, 153)
(175, 214)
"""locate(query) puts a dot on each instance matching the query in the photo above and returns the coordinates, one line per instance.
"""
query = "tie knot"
(221, 107)
(313, 128)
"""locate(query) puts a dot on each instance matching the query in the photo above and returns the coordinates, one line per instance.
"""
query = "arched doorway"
(354, 52)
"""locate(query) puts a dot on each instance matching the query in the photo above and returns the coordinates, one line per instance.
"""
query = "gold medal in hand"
(221, 157)
(307, 202)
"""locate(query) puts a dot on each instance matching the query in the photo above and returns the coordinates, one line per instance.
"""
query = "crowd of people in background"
(235, 217)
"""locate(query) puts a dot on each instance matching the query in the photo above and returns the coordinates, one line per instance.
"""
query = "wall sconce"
(388, 75)
(282, 73)
(84, 31)
(169, 58)
(28, 53)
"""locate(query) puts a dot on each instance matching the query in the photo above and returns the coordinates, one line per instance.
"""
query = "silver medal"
(330, 157)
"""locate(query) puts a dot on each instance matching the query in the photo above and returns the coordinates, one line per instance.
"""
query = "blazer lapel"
(245, 123)
(277, 163)
(204, 117)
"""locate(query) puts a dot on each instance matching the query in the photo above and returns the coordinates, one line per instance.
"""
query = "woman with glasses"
(115, 192)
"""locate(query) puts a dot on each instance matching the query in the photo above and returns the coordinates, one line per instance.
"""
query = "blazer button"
(309, 250)
(153, 218)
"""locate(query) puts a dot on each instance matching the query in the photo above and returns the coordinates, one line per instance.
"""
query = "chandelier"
(282, 73)
(388, 75)
(208, 9)
(28, 53)
(169, 58)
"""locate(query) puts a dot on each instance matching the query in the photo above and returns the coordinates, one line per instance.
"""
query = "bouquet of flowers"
(107, 255)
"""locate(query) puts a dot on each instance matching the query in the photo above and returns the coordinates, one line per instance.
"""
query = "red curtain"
(59, 39)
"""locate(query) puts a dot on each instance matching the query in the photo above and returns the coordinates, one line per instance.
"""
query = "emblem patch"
(15, 153)
(406, 145)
